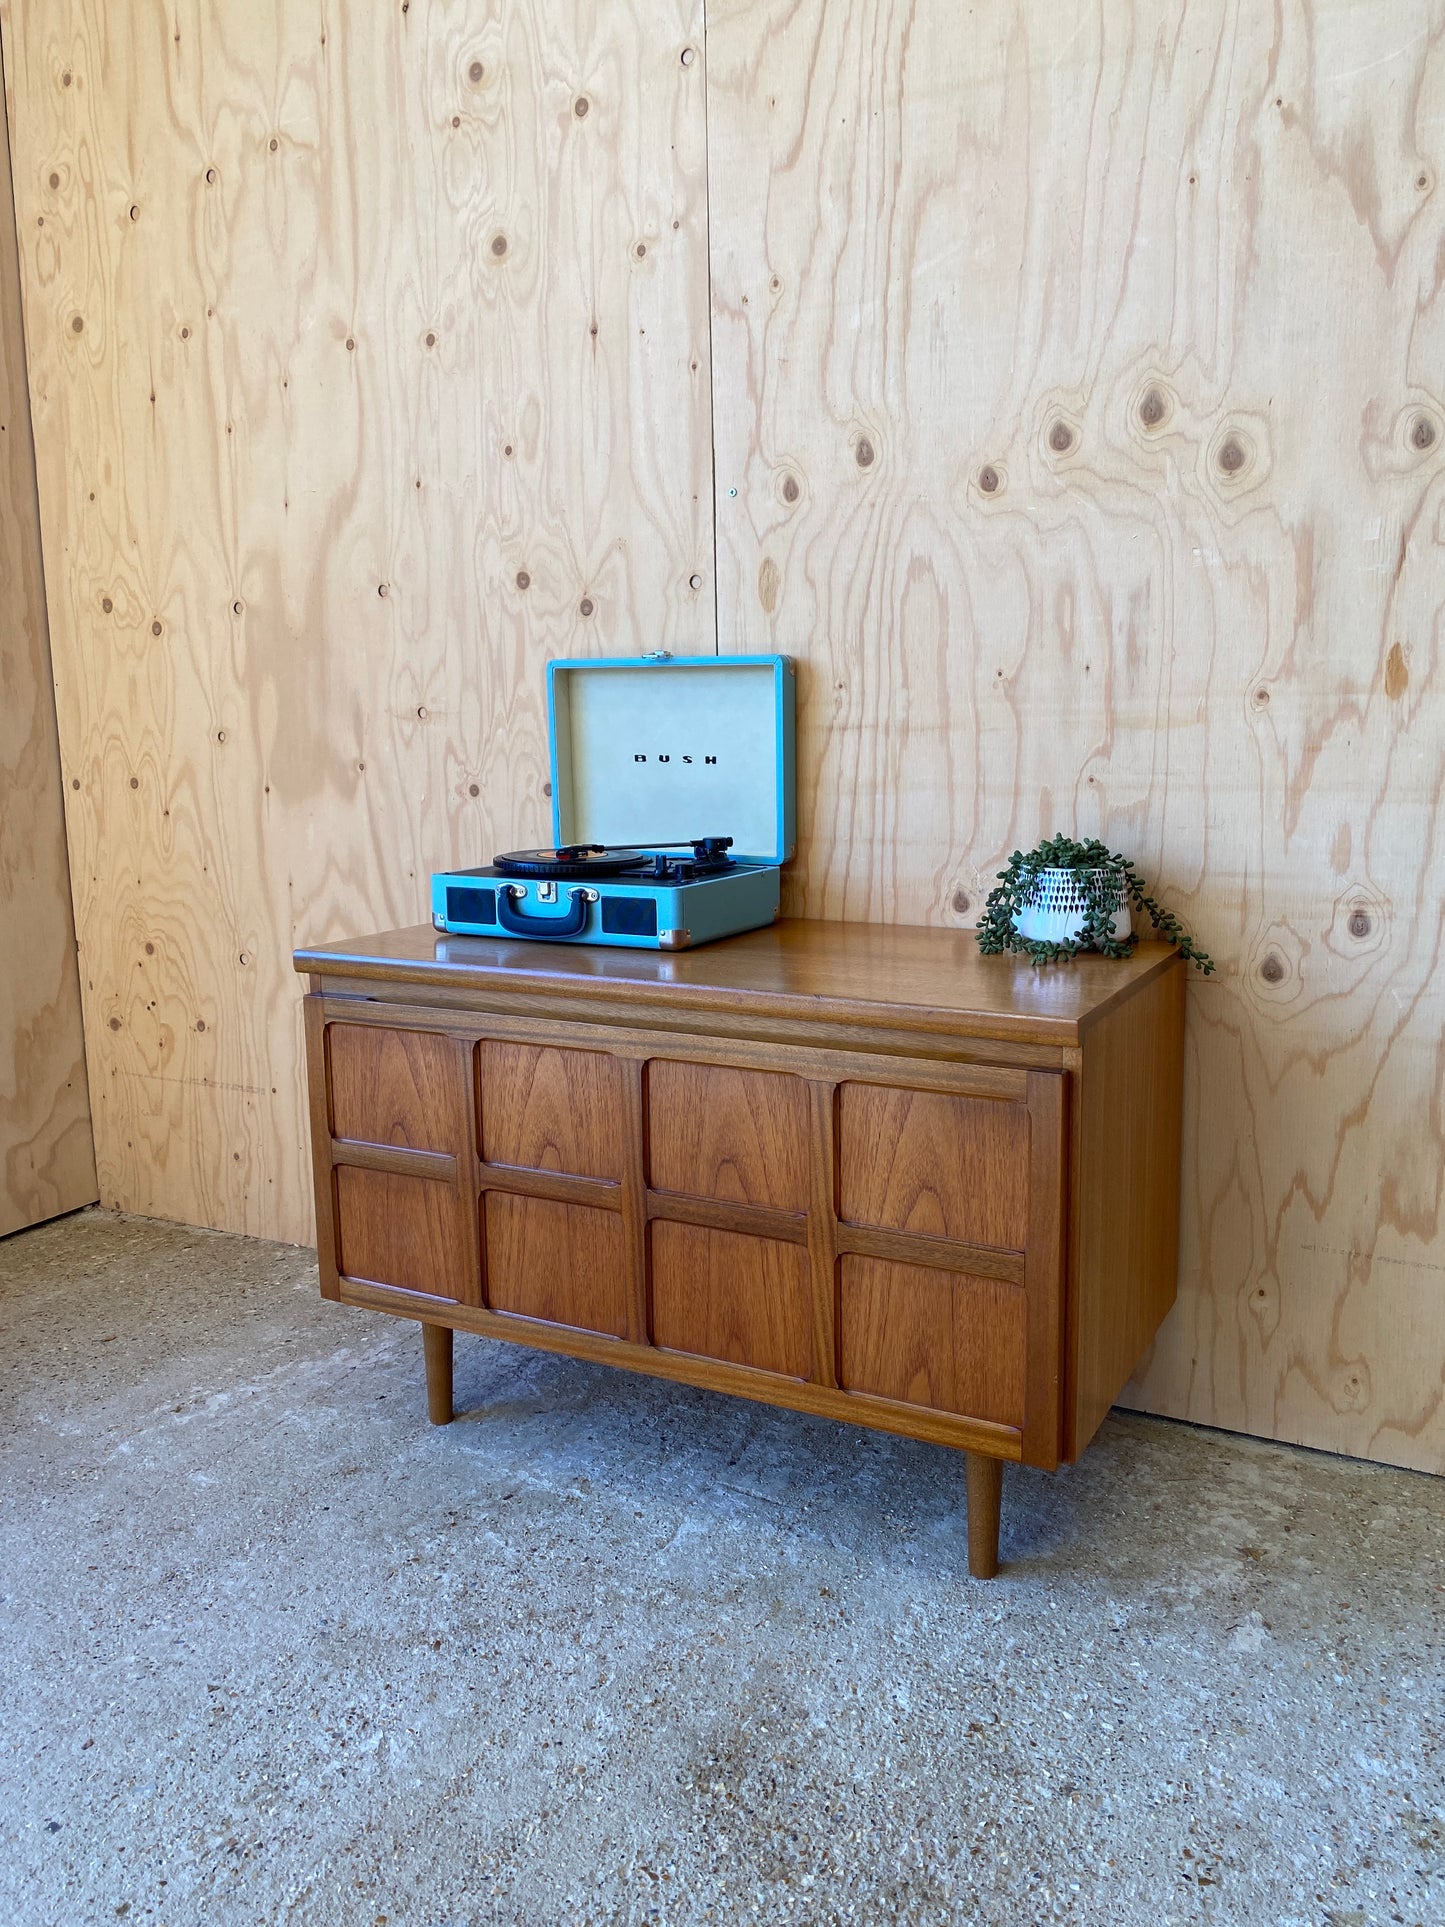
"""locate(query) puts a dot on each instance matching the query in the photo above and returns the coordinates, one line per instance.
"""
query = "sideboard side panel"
(1125, 1258)
(319, 1104)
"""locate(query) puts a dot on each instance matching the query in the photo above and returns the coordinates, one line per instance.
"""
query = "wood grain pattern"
(393, 1087)
(551, 1110)
(402, 1231)
(562, 1263)
(369, 361)
(47, 1159)
(740, 1135)
(932, 1338)
(1080, 374)
(718, 1294)
(946, 1167)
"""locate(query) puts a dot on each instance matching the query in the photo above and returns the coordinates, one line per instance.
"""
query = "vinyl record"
(573, 860)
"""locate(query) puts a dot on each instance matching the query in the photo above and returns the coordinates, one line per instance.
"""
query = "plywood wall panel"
(369, 359)
(1080, 422)
(47, 1161)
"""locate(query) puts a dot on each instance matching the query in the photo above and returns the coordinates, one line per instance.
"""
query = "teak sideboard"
(861, 1172)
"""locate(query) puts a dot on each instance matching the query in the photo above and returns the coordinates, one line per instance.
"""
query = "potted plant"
(1065, 897)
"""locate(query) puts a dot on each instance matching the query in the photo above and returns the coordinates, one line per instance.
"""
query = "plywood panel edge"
(47, 1153)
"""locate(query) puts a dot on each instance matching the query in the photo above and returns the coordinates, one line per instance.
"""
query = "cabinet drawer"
(562, 1263)
(926, 1161)
(732, 1134)
(934, 1338)
(402, 1231)
(724, 1294)
(394, 1086)
(549, 1109)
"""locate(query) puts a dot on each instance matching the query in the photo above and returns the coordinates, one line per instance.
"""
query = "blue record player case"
(651, 755)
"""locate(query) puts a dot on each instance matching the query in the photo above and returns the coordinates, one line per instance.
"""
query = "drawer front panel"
(924, 1161)
(551, 1110)
(559, 1262)
(934, 1338)
(400, 1231)
(722, 1294)
(393, 1086)
(732, 1134)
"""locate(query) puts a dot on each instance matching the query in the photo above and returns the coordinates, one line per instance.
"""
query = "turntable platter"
(572, 860)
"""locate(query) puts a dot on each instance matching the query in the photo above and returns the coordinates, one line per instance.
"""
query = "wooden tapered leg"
(437, 1347)
(985, 1501)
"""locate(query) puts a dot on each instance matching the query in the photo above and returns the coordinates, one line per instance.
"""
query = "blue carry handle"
(522, 925)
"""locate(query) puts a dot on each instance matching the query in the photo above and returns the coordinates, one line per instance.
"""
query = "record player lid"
(646, 749)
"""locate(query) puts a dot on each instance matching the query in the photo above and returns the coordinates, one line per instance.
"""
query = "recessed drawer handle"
(572, 924)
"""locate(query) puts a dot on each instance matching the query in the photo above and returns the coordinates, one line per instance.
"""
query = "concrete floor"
(608, 1650)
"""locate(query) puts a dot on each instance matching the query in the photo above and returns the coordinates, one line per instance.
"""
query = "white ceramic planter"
(1056, 909)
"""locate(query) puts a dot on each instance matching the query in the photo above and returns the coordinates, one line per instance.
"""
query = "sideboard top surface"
(909, 978)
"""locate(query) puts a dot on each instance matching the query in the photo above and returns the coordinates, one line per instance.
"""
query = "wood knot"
(55, 180)
(1261, 698)
(211, 176)
(1359, 923)
(499, 245)
(1422, 433)
(77, 324)
(273, 143)
(1151, 408)
(688, 56)
(546, 789)
(961, 902)
(863, 454)
(1397, 673)
(476, 72)
(1272, 969)
(641, 250)
(156, 627)
(106, 604)
(474, 789)
(1232, 456)
(694, 582)
(200, 1023)
(524, 581)
(988, 479)
(791, 490)
(135, 782)
(580, 106)
(1061, 438)
(115, 1023)
(586, 605)
(431, 341)
(150, 950)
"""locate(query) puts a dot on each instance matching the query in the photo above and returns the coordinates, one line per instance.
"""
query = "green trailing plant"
(1107, 881)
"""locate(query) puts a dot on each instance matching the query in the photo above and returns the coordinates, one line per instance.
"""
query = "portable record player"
(672, 809)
